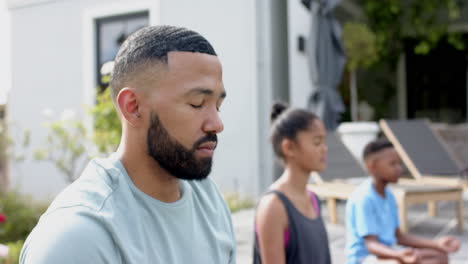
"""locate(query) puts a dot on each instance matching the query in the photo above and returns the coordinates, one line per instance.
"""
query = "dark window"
(111, 32)
(436, 84)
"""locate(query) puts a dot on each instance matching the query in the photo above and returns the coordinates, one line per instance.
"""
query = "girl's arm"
(271, 222)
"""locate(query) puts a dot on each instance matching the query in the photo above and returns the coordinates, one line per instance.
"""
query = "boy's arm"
(380, 250)
(414, 241)
(444, 244)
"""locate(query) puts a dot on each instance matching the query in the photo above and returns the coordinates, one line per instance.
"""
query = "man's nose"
(213, 123)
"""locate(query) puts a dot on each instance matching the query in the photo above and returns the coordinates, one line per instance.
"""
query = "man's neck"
(150, 178)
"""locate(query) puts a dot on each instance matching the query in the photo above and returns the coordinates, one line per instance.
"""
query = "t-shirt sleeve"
(71, 239)
(366, 218)
(228, 220)
(232, 260)
(227, 212)
(233, 254)
(394, 211)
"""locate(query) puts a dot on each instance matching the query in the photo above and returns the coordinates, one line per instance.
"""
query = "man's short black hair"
(151, 45)
(376, 146)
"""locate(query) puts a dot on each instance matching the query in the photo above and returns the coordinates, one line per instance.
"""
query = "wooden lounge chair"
(344, 173)
(423, 152)
(455, 137)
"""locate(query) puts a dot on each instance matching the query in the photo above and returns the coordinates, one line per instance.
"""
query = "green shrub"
(360, 44)
(67, 147)
(107, 127)
(21, 216)
(14, 250)
(237, 203)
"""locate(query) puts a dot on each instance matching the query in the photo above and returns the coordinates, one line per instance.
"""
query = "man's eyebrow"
(204, 91)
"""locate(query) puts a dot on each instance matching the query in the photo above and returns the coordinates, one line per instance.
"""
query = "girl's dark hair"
(286, 123)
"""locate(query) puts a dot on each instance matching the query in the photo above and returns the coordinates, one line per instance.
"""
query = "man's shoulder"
(78, 222)
(91, 190)
(64, 235)
(75, 220)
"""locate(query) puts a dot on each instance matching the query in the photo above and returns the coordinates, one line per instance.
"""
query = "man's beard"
(173, 156)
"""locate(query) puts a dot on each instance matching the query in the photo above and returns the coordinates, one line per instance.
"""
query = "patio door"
(437, 84)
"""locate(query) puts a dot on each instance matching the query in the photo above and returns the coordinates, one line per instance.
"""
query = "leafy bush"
(107, 128)
(21, 216)
(67, 147)
(360, 45)
(393, 22)
(237, 203)
(14, 250)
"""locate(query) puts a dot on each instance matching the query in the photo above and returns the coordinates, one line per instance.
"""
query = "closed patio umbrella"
(326, 59)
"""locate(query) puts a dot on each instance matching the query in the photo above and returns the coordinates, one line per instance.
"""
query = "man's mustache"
(207, 138)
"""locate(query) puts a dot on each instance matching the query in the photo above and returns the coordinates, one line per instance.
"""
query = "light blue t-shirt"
(104, 218)
(368, 213)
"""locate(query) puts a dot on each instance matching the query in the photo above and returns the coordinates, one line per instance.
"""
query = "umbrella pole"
(354, 96)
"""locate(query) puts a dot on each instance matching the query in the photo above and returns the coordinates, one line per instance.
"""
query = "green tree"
(395, 21)
(107, 127)
(13, 148)
(361, 50)
(400, 26)
(68, 147)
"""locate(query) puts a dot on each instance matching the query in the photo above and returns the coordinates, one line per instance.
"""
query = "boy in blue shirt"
(372, 217)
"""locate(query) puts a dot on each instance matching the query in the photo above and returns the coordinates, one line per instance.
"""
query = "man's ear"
(129, 105)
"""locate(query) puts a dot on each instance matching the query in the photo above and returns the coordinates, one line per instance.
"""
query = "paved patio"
(419, 223)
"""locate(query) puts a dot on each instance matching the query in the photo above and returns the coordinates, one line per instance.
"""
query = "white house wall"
(230, 27)
(49, 71)
(300, 86)
(5, 72)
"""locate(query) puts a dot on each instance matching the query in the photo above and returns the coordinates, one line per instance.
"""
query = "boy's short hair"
(375, 146)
